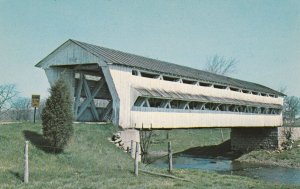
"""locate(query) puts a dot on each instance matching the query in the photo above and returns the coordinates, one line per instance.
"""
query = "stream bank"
(219, 158)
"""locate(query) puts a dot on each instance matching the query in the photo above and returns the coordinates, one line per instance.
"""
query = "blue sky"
(264, 36)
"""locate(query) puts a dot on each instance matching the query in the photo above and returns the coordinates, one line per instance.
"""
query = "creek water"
(227, 166)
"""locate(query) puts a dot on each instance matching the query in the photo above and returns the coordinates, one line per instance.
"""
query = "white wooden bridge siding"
(125, 83)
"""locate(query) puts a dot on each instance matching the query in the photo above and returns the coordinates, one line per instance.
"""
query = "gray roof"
(136, 61)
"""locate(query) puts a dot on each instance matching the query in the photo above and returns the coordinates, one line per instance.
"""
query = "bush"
(57, 116)
(288, 143)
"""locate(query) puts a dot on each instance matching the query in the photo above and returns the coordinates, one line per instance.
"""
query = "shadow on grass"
(16, 174)
(40, 142)
(222, 150)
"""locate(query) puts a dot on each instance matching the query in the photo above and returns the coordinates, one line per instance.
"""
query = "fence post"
(222, 134)
(167, 134)
(26, 169)
(131, 148)
(136, 160)
(34, 114)
(170, 156)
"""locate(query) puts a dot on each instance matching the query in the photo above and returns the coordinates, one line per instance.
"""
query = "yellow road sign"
(35, 101)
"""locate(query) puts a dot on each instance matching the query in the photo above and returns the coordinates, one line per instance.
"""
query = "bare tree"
(7, 93)
(21, 109)
(145, 139)
(291, 109)
(40, 109)
(221, 65)
(283, 89)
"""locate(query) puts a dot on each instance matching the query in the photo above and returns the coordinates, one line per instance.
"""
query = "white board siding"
(125, 83)
(69, 54)
(208, 119)
(121, 79)
(53, 74)
(137, 82)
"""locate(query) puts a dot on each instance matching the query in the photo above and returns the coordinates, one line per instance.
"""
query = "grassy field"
(91, 161)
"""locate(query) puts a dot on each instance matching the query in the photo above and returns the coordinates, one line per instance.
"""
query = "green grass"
(287, 158)
(187, 138)
(297, 123)
(91, 161)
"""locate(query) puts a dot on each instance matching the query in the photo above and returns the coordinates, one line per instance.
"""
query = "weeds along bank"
(284, 158)
(91, 161)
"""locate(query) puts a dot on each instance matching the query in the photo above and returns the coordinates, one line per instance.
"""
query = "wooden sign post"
(35, 102)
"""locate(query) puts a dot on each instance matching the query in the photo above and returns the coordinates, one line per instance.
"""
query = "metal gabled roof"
(140, 62)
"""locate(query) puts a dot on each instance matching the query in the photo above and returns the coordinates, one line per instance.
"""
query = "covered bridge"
(138, 92)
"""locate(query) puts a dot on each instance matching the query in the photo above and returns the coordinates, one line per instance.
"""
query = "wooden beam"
(139, 101)
(200, 105)
(160, 77)
(164, 175)
(184, 105)
(165, 103)
(203, 106)
(145, 102)
(107, 110)
(113, 92)
(90, 98)
(168, 105)
(94, 73)
(227, 107)
(78, 95)
(236, 108)
(216, 107)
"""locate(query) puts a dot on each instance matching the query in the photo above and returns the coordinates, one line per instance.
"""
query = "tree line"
(15, 107)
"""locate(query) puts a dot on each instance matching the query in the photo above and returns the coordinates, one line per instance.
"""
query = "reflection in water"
(226, 166)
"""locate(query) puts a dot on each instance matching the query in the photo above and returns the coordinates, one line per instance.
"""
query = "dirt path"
(8, 122)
